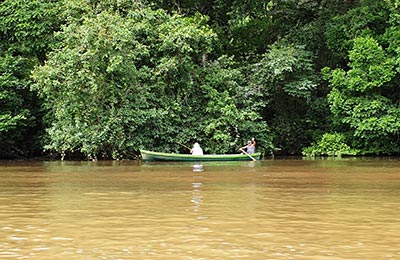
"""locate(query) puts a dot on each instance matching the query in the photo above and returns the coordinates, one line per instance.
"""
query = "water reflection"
(197, 198)
(251, 164)
(198, 167)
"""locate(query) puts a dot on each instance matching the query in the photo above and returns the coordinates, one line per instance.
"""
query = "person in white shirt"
(196, 150)
(250, 147)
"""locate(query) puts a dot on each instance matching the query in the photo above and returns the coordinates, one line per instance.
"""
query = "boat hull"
(171, 157)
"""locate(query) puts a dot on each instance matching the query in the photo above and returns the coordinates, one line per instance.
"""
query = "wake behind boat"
(157, 156)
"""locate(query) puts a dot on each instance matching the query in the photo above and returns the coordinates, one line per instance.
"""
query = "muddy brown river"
(271, 209)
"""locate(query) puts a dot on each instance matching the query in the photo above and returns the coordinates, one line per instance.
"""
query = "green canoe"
(156, 156)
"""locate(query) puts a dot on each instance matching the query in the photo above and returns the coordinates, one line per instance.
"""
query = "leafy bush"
(331, 145)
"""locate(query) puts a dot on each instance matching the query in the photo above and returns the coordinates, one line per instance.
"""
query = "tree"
(359, 99)
(366, 18)
(141, 80)
(284, 81)
(15, 115)
(364, 94)
(26, 34)
(27, 27)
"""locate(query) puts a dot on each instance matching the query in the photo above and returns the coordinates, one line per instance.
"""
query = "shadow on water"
(200, 166)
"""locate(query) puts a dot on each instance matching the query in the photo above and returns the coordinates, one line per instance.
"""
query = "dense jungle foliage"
(105, 78)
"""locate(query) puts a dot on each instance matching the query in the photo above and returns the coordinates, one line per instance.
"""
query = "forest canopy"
(102, 79)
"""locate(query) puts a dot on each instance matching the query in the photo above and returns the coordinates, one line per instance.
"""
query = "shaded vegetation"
(103, 79)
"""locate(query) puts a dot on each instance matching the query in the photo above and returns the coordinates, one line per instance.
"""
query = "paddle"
(185, 146)
(247, 154)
